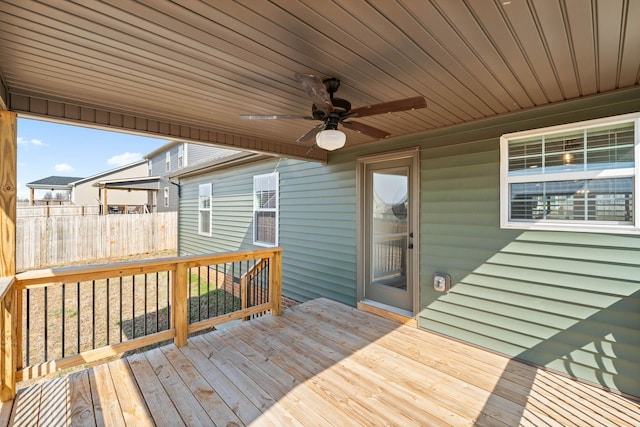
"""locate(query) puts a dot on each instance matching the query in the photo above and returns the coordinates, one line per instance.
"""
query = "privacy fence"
(58, 240)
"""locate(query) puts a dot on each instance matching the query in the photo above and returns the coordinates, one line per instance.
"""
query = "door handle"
(410, 246)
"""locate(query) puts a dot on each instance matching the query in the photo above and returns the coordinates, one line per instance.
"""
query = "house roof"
(166, 147)
(53, 182)
(189, 71)
(110, 171)
(218, 163)
(140, 183)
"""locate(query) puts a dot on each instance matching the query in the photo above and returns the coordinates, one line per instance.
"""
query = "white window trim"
(167, 162)
(200, 232)
(181, 156)
(276, 210)
(596, 227)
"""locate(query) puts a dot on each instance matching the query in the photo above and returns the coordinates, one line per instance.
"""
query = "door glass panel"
(389, 229)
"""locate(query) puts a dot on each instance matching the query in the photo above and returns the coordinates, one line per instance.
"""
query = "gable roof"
(53, 182)
(110, 171)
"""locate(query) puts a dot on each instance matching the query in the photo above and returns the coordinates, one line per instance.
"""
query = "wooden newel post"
(8, 306)
(180, 305)
(8, 344)
(275, 282)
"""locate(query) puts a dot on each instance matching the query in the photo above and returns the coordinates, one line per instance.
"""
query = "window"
(578, 177)
(166, 197)
(167, 162)
(181, 156)
(204, 209)
(150, 166)
(265, 209)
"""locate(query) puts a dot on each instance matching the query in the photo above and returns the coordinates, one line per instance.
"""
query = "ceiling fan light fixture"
(331, 139)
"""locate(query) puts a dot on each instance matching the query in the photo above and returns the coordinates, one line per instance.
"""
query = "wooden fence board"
(43, 242)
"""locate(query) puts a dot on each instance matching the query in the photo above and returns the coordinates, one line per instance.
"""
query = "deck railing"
(58, 319)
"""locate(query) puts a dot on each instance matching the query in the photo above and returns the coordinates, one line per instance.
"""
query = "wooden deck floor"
(320, 363)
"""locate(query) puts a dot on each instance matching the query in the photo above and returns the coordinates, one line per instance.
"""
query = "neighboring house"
(517, 233)
(172, 157)
(92, 190)
(51, 184)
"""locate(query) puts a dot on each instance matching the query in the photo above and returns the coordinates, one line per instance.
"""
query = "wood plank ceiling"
(189, 68)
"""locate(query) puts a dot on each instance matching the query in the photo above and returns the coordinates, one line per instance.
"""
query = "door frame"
(361, 167)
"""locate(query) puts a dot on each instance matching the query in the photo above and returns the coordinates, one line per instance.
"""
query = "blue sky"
(46, 149)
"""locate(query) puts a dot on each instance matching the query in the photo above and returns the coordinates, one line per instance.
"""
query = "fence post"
(275, 282)
(180, 305)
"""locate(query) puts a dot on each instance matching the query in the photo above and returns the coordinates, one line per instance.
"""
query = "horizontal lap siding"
(317, 230)
(317, 217)
(567, 301)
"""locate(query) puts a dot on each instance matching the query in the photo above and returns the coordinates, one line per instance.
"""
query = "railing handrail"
(11, 296)
(49, 275)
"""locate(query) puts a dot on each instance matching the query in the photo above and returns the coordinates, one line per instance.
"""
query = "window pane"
(611, 200)
(205, 222)
(265, 227)
(610, 147)
(568, 161)
(525, 156)
(527, 201)
(204, 196)
(595, 200)
(564, 152)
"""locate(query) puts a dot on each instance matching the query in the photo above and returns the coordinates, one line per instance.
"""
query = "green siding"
(567, 301)
(317, 217)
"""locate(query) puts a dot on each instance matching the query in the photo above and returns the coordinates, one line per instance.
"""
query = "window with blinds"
(265, 209)
(574, 177)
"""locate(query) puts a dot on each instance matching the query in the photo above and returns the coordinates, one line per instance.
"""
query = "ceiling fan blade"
(316, 90)
(389, 107)
(366, 129)
(311, 134)
(274, 117)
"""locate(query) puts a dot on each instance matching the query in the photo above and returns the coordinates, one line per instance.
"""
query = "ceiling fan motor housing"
(340, 106)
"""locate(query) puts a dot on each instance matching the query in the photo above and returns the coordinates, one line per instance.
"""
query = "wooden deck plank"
(320, 363)
(209, 399)
(270, 379)
(509, 372)
(158, 401)
(379, 395)
(235, 399)
(53, 409)
(535, 397)
(187, 405)
(81, 406)
(132, 404)
(26, 406)
(296, 385)
(405, 371)
(105, 401)
(5, 412)
(330, 386)
(249, 386)
(452, 357)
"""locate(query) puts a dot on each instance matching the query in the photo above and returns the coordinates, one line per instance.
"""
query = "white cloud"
(33, 141)
(63, 167)
(124, 159)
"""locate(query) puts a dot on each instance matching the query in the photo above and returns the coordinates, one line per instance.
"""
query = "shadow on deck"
(320, 363)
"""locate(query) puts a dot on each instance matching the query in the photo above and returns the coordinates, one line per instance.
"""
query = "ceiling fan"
(332, 111)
